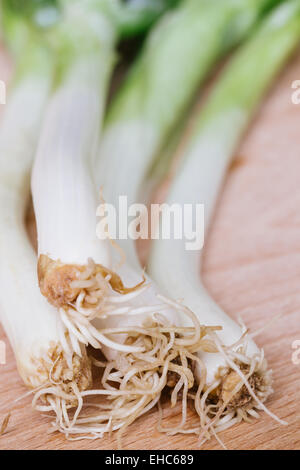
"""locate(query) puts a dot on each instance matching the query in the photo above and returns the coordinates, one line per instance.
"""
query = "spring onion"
(62, 182)
(38, 338)
(237, 379)
(160, 87)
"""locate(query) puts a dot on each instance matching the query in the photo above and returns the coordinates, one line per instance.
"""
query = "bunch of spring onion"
(74, 266)
(51, 358)
(151, 100)
(139, 333)
(145, 347)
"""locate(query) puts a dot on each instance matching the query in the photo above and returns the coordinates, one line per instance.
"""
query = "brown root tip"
(55, 281)
(80, 375)
(242, 397)
(54, 368)
(82, 372)
(229, 384)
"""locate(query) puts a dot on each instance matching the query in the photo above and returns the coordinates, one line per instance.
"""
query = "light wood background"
(252, 268)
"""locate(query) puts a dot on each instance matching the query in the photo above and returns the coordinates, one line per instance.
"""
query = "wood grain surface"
(252, 268)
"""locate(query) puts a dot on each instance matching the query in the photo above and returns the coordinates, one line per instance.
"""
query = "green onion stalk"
(134, 17)
(237, 378)
(31, 324)
(178, 55)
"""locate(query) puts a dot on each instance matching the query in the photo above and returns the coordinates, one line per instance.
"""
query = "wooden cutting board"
(252, 268)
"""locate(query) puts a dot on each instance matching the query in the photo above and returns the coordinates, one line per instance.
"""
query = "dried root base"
(83, 293)
(58, 366)
(133, 383)
(63, 284)
(238, 394)
(233, 398)
(64, 380)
